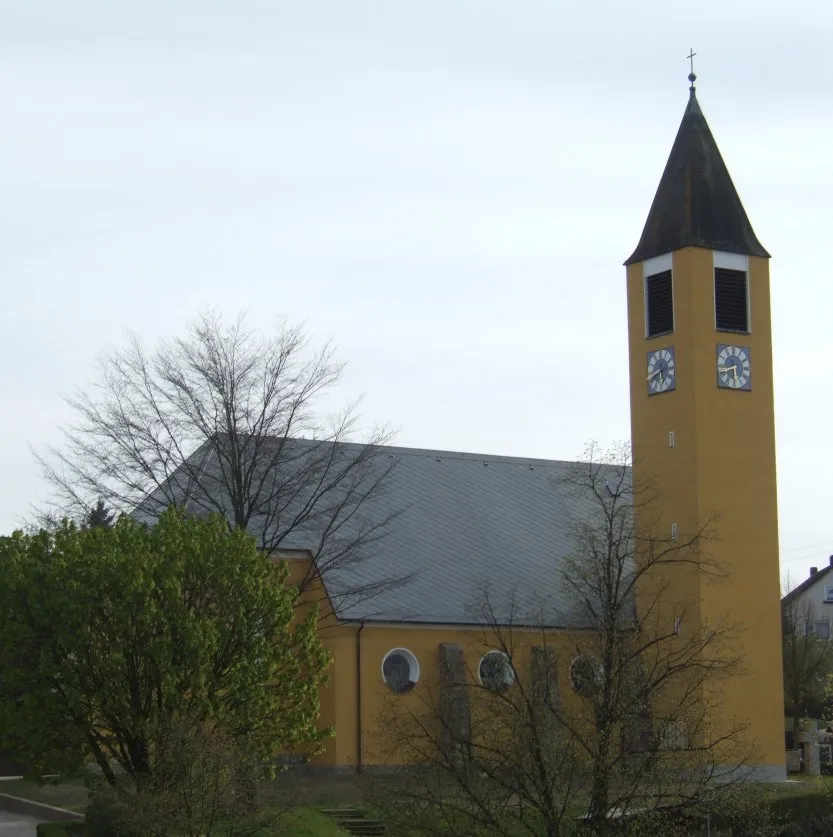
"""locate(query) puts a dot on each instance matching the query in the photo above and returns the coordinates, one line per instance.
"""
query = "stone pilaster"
(544, 673)
(454, 701)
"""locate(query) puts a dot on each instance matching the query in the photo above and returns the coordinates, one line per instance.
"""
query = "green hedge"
(71, 828)
(796, 806)
(799, 812)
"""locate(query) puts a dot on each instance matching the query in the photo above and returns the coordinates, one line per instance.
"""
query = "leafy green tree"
(110, 636)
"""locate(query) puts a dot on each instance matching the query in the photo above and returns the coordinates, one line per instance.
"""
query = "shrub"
(808, 805)
(813, 826)
(109, 815)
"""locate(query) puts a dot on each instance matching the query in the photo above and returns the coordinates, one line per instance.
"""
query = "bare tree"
(614, 713)
(224, 420)
(491, 756)
(808, 658)
(653, 739)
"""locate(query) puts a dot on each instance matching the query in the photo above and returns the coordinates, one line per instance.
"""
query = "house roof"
(461, 523)
(696, 203)
(808, 583)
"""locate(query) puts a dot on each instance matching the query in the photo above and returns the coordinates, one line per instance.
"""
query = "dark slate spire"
(696, 204)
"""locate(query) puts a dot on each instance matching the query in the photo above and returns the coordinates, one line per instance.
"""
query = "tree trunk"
(101, 761)
(599, 793)
(597, 809)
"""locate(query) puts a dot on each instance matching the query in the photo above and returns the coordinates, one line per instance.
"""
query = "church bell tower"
(702, 416)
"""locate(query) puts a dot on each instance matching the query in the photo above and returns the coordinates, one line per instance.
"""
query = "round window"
(586, 675)
(400, 670)
(495, 671)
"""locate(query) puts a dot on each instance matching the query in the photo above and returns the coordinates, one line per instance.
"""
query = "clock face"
(734, 370)
(662, 372)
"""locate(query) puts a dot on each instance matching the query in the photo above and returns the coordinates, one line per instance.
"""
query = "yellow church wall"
(346, 642)
(721, 468)
(663, 475)
(340, 698)
(737, 481)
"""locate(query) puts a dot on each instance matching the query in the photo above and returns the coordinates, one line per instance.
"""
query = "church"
(458, 524)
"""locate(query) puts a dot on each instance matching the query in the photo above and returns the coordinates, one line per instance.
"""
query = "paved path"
(16, 825)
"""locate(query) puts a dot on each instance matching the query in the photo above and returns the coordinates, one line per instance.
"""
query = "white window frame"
(413, 662)
(595, 662)
(732, 261)
(650, 267)
(510, 670)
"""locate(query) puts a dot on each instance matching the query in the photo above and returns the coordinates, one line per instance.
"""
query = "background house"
(810, 604)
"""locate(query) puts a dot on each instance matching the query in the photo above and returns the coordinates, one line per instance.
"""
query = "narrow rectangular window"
(659, 304)
(731, 303)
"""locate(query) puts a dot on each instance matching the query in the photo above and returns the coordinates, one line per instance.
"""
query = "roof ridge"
(447, 454)
(476, 457)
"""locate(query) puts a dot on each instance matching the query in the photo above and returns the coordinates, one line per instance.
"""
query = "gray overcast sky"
(446, 188)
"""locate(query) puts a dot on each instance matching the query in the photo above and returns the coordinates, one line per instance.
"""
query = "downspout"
(359, 731)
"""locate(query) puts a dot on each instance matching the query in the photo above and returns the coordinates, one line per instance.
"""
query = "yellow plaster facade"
(355, 677)
(721, 468)
(360, 737)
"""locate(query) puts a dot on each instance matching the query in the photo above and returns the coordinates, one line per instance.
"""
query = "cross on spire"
(691, 77)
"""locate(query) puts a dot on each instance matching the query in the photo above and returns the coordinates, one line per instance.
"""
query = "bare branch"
(223, 420)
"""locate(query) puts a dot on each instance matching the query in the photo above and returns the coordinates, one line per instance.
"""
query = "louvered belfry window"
(731, 306)
(659, 301)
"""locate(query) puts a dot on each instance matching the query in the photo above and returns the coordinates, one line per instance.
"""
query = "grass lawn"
(800, 784)
(308, 822)
(300, 788)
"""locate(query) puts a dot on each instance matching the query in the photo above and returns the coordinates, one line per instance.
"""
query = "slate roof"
(473, 521)
(467, 522)
(696, 203)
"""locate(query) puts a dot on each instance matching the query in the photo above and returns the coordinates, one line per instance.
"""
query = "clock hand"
(654, 374)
